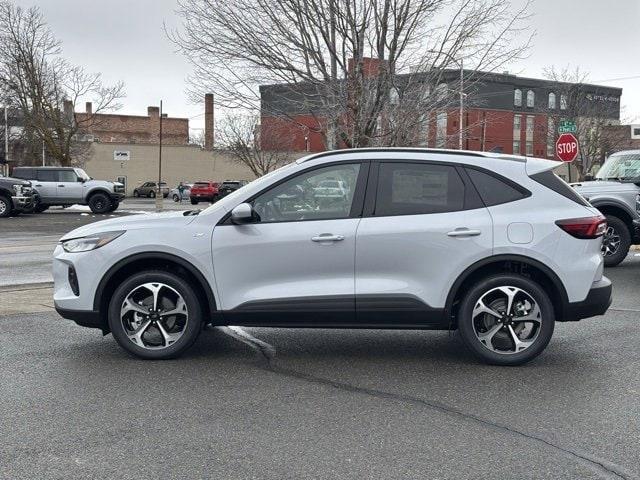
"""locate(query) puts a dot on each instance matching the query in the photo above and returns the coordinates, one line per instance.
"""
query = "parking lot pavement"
(274, 403)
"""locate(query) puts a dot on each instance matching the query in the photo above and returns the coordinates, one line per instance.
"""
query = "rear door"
(47, 185)
(423, 224)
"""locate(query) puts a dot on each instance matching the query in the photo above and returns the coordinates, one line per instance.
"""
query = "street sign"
(121, 155)
(567, 147)
(567, 126)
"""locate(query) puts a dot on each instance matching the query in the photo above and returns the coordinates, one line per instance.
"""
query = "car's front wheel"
(616, 241)
(99, 203)
(152, 194)
(506, 319)
(176, 198)
(155, 315)
(5, 206)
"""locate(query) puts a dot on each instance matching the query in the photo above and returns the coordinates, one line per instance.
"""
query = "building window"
(394, 96)
(441, 129)
(441, 92)
(517, 97)
(529, 149)
(551, 135)
(563, 101)
(531, 98)
(517, 123)
(516, 147)
(530, 126)
(552, 101)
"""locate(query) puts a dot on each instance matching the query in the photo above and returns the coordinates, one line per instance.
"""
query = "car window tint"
(47, 176)
(24, 174)
(305, 198)
(414, 188)
(201, 184)
(492, 189)
(67, 176)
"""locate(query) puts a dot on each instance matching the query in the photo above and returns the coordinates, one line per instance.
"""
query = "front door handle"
(327, 237)
(61, 185)
(464, 232)
(38, 185)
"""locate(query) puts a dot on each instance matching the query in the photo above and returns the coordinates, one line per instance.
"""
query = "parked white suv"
(496, 247)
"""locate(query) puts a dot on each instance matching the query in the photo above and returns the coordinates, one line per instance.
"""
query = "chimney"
(153, 112)
(67, 106)
(88, 108)
(208, 121)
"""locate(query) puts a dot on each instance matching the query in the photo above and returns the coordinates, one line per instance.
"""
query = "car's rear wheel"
(5, 206)
(99, 203)
(506, 319)
(616, 241)
(39, 208)
(194, 201)
(155, 315)
(176, 198)
(136, 193)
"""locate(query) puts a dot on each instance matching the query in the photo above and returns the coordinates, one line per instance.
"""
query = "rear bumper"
(597, 302)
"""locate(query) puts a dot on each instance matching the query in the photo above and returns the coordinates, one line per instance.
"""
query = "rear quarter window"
(24, 173)
(555, 183)
(494, 189)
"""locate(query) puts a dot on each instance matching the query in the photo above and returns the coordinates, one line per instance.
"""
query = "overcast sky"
(124, 40)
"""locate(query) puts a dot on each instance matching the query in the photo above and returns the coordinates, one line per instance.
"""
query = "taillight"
(587, 227)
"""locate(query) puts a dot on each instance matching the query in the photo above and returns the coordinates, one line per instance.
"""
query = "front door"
(69, 187)
(295, 263)
(425, 226)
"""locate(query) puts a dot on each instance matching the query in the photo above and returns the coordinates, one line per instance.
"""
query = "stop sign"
(567, 147)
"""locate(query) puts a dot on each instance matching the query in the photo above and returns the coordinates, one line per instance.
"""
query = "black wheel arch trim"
(615, 204)
(97, 299)
(557, 283)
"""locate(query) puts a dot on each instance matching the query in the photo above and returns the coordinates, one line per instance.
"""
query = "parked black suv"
(16, 196)
(229, 186)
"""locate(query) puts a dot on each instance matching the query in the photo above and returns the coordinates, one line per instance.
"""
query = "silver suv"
(616, 193)
(496, 247)
(64, 186)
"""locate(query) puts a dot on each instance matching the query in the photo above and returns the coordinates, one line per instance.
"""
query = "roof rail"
(443, 151)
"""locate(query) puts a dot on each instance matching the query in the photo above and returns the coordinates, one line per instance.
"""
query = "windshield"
(82, 174)
(236, 193)
(620, 167)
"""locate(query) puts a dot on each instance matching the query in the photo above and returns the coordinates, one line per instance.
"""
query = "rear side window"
(495, 190)
(201, 184)
(418, 188)
(24, 173)
(555, 183)
(47, 175)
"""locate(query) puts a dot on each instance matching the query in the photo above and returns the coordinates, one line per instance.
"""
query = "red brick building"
(501, 112)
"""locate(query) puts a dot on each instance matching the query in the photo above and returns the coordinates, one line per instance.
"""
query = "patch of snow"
(78, 208)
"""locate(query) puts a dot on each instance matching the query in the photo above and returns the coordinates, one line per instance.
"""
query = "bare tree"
(341, 58)
(591, 112)
(45, 88)
(239, 134)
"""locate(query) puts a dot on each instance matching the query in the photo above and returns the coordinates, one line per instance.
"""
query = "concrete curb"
(19, 287)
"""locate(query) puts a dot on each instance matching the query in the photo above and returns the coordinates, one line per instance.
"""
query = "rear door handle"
(464, 232)
(61, 185)
(327, 237)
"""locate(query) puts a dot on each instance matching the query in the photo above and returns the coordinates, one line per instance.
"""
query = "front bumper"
(636, 230)
(117, 197)
(23, 203)
(84, 318)
(597, 302)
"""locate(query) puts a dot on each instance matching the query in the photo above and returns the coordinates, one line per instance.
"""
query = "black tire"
(214, 199)
(467, 326)
(40, 208)
(99, 203)
(191, 329)
(136, 193)
(176, 198)
(152, 194)
(194, 201)
(114, 206)
(6, 206)
(616, 227)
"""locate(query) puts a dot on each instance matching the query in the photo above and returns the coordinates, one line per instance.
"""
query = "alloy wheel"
(3, 206)
(610, 242)
(154, 316)
(506, 320)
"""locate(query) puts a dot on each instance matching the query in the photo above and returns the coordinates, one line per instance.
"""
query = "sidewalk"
(28, 298)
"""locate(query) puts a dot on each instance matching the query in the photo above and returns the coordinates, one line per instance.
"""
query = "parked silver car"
(174, 193)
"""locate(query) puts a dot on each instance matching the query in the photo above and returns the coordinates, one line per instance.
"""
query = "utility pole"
(6, 138)
(461, 113)
(43, 154)
(159, 197)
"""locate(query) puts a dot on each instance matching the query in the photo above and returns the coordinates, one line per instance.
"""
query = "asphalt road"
(275, 403)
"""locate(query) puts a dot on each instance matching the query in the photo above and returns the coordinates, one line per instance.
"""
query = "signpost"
(567, 147)
(567, 126)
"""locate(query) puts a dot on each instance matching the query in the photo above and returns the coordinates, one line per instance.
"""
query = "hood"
(605, 185)
(133, 222)
(15, 181)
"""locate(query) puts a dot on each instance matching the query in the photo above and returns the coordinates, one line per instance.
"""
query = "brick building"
(501, 112)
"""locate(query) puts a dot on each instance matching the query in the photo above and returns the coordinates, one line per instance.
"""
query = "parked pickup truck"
(615, 191)
(66, 186)
(16, 196)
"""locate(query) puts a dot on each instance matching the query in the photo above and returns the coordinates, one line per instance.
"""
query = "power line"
(619, 78)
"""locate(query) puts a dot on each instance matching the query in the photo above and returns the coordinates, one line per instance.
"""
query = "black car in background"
(229, 186)
(16, 196)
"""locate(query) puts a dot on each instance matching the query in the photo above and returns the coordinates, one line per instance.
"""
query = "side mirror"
(242, 213)
(81, 180)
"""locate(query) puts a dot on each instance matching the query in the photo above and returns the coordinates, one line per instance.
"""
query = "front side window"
(517, 97)
(320, 194)
(531, 98)
(67, 176)
(417, 188)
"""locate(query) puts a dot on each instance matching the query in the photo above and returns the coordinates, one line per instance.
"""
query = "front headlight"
(90, 242)
(17, 190)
